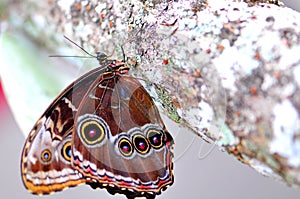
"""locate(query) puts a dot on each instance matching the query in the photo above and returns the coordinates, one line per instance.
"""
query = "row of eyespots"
(66, 153)
(141, 143)
(93, 130)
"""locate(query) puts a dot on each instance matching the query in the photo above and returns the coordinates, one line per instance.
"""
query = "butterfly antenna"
(79, 46)
(123, 53)
(69, 56)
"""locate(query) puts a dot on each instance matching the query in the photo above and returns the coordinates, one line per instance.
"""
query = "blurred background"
(201, 171)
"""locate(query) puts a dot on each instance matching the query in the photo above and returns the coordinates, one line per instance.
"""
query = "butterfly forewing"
(46, 158)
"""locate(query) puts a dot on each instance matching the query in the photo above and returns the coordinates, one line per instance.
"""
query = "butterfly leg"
(148, 196)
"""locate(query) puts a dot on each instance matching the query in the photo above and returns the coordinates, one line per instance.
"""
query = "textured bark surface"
(227, 70)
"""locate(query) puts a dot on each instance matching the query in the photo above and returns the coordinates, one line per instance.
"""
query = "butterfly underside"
(103, 130)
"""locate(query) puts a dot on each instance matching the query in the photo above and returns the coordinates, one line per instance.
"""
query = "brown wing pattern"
(46, 158)
(120, 139)
(103, 130)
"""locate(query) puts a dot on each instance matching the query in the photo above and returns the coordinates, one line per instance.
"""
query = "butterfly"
(103, 130)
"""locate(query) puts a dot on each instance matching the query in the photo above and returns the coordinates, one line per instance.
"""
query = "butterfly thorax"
(117, 67)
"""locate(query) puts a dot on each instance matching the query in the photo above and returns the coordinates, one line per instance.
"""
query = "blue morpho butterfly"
(103, 130)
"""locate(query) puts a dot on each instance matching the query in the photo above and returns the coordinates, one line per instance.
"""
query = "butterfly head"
(101, 57)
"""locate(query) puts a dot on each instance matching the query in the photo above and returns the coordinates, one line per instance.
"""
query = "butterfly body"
(103, 130)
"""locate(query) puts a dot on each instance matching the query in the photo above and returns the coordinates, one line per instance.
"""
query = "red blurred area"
(3, 102)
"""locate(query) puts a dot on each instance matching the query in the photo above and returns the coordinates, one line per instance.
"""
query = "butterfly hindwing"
(120, 140)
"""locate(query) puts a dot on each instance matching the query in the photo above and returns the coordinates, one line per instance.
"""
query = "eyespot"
(92, 130)
(66, 151)
(141, 144)
(155, 138)
(46, 156)
(125, 147)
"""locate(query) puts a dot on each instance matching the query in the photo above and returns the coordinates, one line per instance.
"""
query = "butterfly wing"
(46, 157)
(120, 141)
